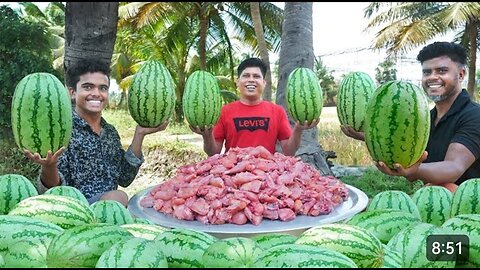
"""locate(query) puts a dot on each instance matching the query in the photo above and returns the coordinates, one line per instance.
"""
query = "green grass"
(373, 182)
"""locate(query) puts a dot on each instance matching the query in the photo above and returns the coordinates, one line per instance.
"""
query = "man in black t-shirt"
(453, 147)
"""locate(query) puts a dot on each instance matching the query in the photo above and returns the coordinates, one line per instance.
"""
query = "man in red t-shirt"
(251, 121)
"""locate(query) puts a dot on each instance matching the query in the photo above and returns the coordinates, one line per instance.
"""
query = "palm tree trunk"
(472, 33)
(90, 31)
(262, 47)
(297, 51)
(202, 43)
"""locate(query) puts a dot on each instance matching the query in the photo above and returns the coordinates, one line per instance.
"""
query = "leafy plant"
(373, 182)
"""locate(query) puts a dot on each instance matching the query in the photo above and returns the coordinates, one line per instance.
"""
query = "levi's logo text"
(251, 123)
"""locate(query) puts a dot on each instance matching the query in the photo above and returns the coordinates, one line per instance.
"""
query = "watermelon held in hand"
(304, 95)
(41, 114)
(151, 96)
(397, 124)
(354, 92)
(202, 101)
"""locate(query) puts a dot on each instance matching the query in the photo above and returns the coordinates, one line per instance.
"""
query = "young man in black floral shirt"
(94, 161)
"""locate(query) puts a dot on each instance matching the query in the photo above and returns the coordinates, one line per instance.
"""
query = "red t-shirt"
(242, 125)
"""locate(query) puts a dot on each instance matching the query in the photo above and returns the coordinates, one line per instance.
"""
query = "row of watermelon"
(41, 108)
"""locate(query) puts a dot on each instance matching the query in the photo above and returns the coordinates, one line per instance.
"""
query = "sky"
(338, 28)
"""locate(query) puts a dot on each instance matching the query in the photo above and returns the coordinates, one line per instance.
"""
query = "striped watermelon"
(302, 256)
(142, 221)
(82, 246)
(433, 203)
(133, 253)
(383, 223)
(352, 241)
(394, 199)
(13, 189)
(392, 258)
(112, 212)
(354, 92)
(68, 191)
(64, 211)
(184, 248)
(202, 101)
(411, 243)
(146, 231)
(269, 240)
(18, 228)
(27, 254)
(2, 262)
(151, 96)
(397, 124)
(304, 95)
(466, 199)
(234, 252)
(41, 114)
(469, 225)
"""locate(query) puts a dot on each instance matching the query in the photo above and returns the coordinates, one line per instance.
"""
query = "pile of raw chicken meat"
(246, 184)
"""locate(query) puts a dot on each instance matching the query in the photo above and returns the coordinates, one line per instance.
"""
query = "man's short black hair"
(72, 76)
(456, 52)
(252, 62)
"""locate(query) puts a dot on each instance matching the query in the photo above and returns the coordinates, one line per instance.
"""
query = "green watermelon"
(202, 101)
(411, 243)
(394, 199)
(112, 212)
(27, 254)
(269, 240)
(469, 225)
(352, 241)
(184, 248)
(82, 246)
(18, 228)
(304, 95)
(133, 253)
(354, 93)
(392, 258)
(151, 96)
(68, 191)
(41, 114)
(13, 189)
(2, 262)
(142, 221)
(433, 203)
(302, 256)
(466, 199)
(64, 211)
(383, 223)
(397, 124)
(234, 252)
(147, 231)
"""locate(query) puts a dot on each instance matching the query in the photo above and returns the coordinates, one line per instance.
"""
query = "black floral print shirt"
(94, 163)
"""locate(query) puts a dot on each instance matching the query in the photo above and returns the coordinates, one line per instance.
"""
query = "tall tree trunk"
(90, 31)
(472, 32)
(202, 42)
(297, 51)
(262, 47)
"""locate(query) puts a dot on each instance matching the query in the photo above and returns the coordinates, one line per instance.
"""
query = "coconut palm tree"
(297, 51)
(90, 31)
(406, 25)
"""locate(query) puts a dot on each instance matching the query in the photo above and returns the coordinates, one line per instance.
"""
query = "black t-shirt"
(461, 124)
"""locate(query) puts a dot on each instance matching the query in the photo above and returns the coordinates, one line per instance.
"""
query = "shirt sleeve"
(284, 128)
(219, 129)
(468, 133)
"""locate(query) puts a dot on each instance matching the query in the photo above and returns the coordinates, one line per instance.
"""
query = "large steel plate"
(356, 202)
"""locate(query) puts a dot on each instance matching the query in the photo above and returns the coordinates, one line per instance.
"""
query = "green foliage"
(24, 49)
(12, 160)
(327, 82)
(373, 182)
(386, 71)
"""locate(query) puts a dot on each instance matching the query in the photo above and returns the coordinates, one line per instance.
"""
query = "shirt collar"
(77, 120)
